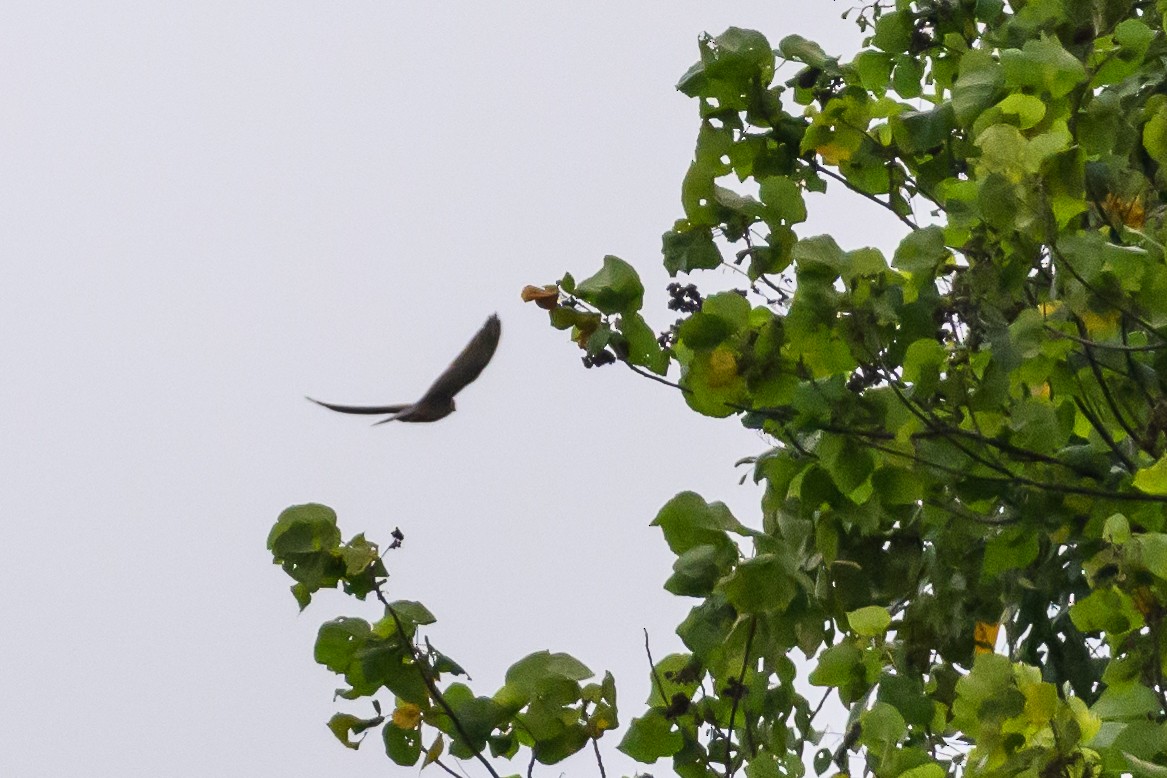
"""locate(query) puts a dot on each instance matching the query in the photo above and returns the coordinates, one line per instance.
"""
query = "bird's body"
(438, 401)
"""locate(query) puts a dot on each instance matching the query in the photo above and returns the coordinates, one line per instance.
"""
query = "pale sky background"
(211, 209)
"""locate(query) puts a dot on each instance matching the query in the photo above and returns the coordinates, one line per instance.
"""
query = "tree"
(968, 437)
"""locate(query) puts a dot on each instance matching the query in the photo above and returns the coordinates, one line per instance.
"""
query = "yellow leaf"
(985, 637)
(434, 752)
(834, 153)
(1129, 212)
(722, 367)
(546, 297)
(407, 716)
(1100, 325)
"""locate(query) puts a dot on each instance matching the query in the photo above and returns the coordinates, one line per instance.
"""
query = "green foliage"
(969, 436)
(543, 705)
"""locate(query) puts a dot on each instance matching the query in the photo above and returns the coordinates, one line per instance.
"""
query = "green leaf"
(837, 666)
(1042, 64)
(893, 32)
(697, 570)
(906, 694)
(732, 66)
(897, 486)
(342, 724)
(849, 465)
(413, 612)
(977, 86)
(731, 307)
(922, 364)
(922, 252)
(707, 626)
(688, 248)
(1150, 551)
(303, 529)
(782, 197)
(1153, 479)
(741, 54)
(989, 684)
(555, 749)
(338, 640)
(688, 521)
(929, 770)
(1129, 701)
(907, 77)
(403, 746)
(917, 132)
(820, 252)
(1107, 610)
(1013, 548)
(871, 621)
(874, 68)
(651, 737)
(1028, 109)
(800, 49)
(643, 347)
(760, 585)
(479, 716)
(882, 727)
(616, 288)
(1116, 530)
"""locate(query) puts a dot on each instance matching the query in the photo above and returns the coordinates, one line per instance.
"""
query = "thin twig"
(816, 167)
(599, 760)
(443, 765)
(1022, 481)
(642, 372)
(1135, 376)
(930, 420)
(1104, 346)
(1054, 251)
(822, 702)
(739, 692)
(1105, 387)
(431, 685)
(1103, 433)
(965, 513)
(660, 687)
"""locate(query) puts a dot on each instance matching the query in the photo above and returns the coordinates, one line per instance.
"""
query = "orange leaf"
(985, 637)
(546, 297)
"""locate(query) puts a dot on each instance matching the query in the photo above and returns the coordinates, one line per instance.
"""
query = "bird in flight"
(438, 401)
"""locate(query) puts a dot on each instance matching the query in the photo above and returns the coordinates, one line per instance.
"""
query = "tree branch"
(739, 692)
(431, 685)
(646, 374)
(660, 687)
(599, 759)
(816, 167)
(1105, 388)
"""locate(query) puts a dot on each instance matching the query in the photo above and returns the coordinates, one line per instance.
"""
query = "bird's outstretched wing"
(368, 409)
(466, 366)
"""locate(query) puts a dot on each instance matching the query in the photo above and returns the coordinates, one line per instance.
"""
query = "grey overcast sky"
(211, 209)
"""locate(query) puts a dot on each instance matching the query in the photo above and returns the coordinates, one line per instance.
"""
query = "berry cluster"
(605, 357)
(684, 298)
